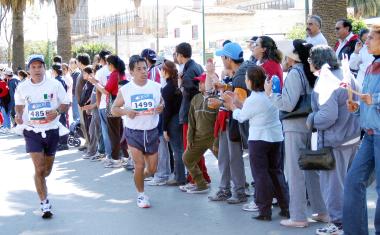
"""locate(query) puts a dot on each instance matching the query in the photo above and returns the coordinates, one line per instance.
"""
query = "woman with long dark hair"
(269, 57)
(172, 129)
(299, 82)
(114, 124)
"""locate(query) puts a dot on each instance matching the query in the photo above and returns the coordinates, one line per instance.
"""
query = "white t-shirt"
(39, 98)
(143, 99)
(69, 83)
(102, 76)
(318, 39)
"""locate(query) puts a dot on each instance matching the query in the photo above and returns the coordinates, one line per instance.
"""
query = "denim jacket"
(370, 114)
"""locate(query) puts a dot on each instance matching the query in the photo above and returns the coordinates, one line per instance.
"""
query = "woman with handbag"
(337, 129)
(264, 143)
(114, 124)
(295, 93)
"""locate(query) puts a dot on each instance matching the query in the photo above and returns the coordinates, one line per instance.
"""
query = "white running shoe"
(156, 182)
(186, 187)
(46, 210)
(143, 201)
(329, 229)
(113, 164)
(251, 207)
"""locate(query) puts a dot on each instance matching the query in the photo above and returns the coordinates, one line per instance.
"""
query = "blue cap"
(231, 50)
(34, 58)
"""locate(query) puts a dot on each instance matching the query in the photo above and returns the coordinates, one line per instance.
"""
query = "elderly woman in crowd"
(337, 128)
(299, 81)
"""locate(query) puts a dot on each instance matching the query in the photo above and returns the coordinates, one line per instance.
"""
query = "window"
(177, 33)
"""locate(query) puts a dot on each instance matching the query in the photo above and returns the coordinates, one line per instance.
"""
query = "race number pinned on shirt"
(143, 103)
(37, 112)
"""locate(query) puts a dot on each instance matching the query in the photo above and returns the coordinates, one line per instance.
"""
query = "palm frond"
(16, 5)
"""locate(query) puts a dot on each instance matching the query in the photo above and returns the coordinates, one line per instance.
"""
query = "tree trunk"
(64, 36)
(18, 60)
(330, 12)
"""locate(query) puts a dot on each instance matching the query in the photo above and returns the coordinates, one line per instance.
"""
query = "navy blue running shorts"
(145, 141)
(36, 144)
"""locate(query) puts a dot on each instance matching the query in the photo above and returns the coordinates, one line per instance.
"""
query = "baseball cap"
(34, 58)
(8, 72)
(149, 53)
(231, 50)
(201, 78)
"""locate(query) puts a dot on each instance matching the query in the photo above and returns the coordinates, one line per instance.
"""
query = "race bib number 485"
(37, 112)
(143, 103)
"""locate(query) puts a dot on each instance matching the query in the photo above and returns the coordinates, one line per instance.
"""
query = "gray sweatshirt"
(295, 85)
(333, 117)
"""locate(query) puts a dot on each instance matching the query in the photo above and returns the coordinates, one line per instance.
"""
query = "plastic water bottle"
(276, 86)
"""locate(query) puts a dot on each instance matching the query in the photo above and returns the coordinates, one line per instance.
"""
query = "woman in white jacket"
(264, 144)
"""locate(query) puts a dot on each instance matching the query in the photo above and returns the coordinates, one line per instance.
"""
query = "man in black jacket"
(189, 88)
(346, 39)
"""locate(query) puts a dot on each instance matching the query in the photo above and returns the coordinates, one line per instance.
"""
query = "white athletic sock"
(140, 194)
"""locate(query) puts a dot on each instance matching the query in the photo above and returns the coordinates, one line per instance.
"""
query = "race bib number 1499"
(143, 103)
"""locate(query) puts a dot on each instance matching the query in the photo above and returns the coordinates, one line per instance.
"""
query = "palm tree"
(364, 7)
(330, 11)
(18, 8)
(64, 10)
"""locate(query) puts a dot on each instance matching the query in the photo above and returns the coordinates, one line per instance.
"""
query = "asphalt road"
(89, 199)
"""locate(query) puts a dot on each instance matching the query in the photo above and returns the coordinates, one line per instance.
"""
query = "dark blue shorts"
(36, 144)
(145, 141)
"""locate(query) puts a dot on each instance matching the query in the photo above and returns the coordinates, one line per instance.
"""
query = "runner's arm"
(19, 111)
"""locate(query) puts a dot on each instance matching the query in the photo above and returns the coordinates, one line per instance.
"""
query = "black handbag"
(233, 129)
(303, 106)
(322, 159)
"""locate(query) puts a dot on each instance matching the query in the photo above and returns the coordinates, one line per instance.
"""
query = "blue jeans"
(7, 118)
(367, 160)
(104, 128)
(75, 108)
(176, 143)
(163, 165)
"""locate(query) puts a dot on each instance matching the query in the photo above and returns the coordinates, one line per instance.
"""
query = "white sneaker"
(96, 157)
(46, 210)
(330, 229)
(186, 187)
(143, 201)
(88, 156)
(112, 163)
(251, 207)
(150, 178)
(156, 182)
(4, 130)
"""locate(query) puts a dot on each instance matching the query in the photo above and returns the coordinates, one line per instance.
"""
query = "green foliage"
(44, 48)
(90, 48)
(297, 32)
(357, 24)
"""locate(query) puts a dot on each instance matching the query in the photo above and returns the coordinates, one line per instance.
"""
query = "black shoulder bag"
(322, 159)
(303, 106)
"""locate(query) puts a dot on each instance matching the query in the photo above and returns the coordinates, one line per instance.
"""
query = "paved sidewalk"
(89, 199)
